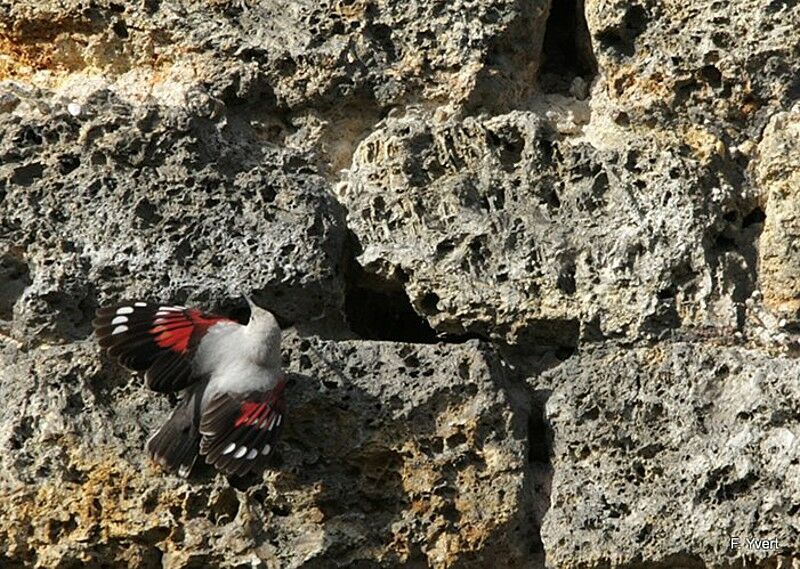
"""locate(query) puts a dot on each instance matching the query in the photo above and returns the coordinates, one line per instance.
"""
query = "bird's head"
(264, 326)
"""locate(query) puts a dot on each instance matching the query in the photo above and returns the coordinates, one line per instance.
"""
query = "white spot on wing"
(171, 308)
(229, 448)
(119, 330)
(266, 450)
(125, 310)
(119, 320)
(140, 304)
(278, 420)
(184, 470)
(240, 452)
(273, 422)
(159, 320)
(252, 454)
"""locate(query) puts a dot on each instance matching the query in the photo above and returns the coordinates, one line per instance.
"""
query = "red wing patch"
(253, 413)
(157, 339)
(174, 330)
(240, 434)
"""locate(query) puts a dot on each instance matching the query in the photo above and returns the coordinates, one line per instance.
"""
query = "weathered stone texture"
(378, 463)
(591, 203)
(96, 208)
(546, 231)
(777, 170)
(704, 435)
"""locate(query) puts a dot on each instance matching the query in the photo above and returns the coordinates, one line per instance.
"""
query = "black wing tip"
(182, 469)
(172, 449)
(231, 454)
(105, 311)
(105, 339)
(238, 467)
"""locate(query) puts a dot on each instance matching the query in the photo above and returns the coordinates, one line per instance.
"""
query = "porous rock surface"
(401, 470)
(536, 261)
(704, 434)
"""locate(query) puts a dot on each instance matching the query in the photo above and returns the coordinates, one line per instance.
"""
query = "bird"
(228, 375)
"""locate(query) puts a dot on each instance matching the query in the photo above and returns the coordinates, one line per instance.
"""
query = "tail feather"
(176, 444)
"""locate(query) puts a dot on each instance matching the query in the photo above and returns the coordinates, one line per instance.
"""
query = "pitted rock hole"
(621, 39)
(14, 279)
(567, 50)
(379, 309)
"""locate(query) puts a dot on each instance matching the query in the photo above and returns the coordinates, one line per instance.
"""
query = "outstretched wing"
(159, 340)
(239, 431)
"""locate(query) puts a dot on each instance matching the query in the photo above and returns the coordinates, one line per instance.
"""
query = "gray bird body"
(228, 374)
(239, 359)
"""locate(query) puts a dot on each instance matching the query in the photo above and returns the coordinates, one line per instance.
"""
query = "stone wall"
(536, 263)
